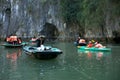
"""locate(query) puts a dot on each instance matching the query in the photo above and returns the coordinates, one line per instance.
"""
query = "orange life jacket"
(8, 39)
(13, 38)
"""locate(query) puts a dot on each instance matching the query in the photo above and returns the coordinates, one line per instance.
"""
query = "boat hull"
(45, 56)
(8, 45)
(93, 48)
(12, 46)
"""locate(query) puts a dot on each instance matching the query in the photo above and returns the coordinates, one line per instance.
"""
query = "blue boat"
(93, 48)
(47, 53)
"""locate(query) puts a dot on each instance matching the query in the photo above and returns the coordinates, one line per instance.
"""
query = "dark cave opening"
(50, 31)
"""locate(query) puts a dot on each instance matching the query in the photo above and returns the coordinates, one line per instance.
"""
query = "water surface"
(71, 65)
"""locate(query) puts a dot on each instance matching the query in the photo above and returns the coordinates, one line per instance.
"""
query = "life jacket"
(13, 38)
(8, 39)
(82, 41)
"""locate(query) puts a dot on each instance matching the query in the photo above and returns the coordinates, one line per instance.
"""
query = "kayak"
(93, 48)
(47, 53)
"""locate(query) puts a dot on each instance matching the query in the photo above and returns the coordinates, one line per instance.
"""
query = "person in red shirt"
(90, 44)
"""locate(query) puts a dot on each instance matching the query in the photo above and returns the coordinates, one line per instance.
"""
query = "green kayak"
(93, 48)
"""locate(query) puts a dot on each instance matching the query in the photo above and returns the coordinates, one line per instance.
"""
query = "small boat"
(93, 48)
(47, 53)
(9, 45)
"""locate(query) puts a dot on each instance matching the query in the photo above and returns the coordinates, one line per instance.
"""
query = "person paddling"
(40, 41)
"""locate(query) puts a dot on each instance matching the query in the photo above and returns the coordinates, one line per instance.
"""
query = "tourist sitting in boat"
(98, 45)
(8, 40)
(14, 39)
(33, 39)
(40, 41)
(90, 44)
(82, 42)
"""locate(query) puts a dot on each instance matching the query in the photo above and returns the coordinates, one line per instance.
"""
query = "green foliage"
(86, 12)
(70, 9)
(89, 13)
(115, 1)
(115, 7)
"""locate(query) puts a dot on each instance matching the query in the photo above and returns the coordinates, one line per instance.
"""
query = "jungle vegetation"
(91, 13)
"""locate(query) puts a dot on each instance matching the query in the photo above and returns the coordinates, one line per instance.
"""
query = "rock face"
(27, 18)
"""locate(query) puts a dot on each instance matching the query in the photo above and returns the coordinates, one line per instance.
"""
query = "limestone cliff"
(27, 18)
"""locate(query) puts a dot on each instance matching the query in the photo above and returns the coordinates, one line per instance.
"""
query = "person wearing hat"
(40, 41)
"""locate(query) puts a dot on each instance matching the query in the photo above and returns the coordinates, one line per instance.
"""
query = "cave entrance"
(50, 31)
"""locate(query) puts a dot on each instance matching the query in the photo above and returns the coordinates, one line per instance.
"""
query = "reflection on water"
(99, 55)
(12, 56)
(93, 54)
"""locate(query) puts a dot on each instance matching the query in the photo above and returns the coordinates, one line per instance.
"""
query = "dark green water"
(71, 65)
